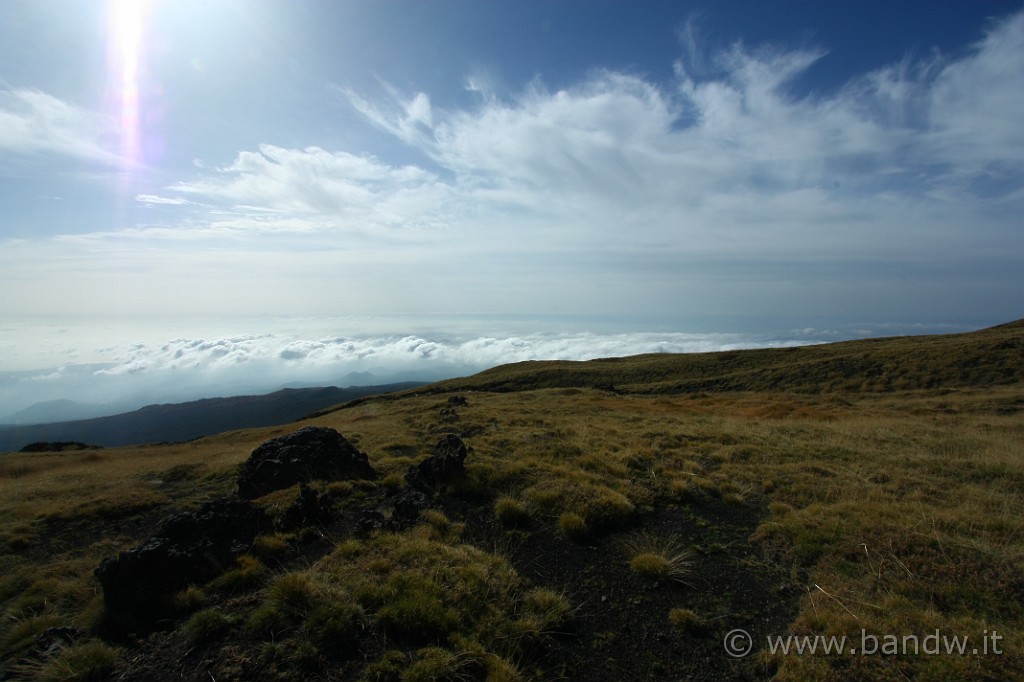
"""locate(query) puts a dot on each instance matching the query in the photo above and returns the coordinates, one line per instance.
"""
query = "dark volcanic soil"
(622, 627)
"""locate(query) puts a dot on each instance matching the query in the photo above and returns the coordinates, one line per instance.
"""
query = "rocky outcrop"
(308, 509)
(407, 506)
(309, 454)
(194, 547)
(58, 446)
(446, 463)
(370, 520)
(189, 548)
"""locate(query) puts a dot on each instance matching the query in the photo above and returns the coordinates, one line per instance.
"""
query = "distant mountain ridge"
(194, 419)
(52, 411)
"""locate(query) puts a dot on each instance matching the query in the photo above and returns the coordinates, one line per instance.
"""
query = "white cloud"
(900, 162)
(975, 103)
(322, 189)
(408, 119)
(276, 356)
(189, 368)
(154, 199)
(136, 361)
(33, 122)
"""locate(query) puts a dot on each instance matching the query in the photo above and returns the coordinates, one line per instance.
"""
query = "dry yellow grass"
(903, 511)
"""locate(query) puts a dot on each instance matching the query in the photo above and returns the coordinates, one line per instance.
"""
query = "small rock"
(54, 639)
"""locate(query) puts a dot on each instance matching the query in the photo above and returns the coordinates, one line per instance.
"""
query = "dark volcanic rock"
(408, 505)
(189, 548)
(449, 454)
(369, 521)
(445, 464)
(306, 510)
(311, 453)
(54, 639)
(58, 446)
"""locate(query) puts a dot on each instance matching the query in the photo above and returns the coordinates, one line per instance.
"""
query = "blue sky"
(759, 164)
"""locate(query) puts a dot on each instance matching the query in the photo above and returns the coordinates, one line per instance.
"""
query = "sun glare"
(126, 20)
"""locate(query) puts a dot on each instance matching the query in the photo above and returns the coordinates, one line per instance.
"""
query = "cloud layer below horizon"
(134, 374)
(124, 364)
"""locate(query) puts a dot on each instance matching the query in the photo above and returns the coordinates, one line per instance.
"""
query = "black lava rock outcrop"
(407, 505)
(309, 454)
(445, 464)
(369, 521)
(308, 509)
(189, 548)
(58, 446)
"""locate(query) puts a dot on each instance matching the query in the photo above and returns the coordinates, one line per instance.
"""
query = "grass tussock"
(663, 557)
(88, 662)
(686, 620)
(511, 512)
(273, 547)
(248, 574)
(460, 607)
(191, 599)
(574, 526)
(207, 625)
(420, 588)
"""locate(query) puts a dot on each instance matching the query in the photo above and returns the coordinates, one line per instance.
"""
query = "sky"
(298, 171)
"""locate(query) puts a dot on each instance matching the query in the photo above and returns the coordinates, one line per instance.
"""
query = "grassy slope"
(871, 485)
(989, 357)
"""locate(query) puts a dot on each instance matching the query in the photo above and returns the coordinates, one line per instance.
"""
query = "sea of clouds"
(92, 364)
(88, 364)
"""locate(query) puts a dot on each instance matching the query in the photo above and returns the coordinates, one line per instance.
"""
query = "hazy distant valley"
(180, 421)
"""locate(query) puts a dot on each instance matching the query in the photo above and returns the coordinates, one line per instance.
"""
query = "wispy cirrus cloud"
(34, 122)
(156, 200)
(349, 190)
(896, 165)
(712, 164)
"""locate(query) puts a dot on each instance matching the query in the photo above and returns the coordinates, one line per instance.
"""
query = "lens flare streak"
(126, 25)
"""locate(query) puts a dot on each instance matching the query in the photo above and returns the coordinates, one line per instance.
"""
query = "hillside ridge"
(177, 422)
(988, 356)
